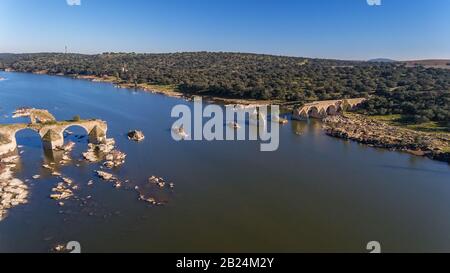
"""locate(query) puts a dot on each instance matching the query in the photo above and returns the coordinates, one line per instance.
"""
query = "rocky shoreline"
(377, 134)
(13, 192)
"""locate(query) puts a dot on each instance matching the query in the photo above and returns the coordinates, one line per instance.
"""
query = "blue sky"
(345, 29)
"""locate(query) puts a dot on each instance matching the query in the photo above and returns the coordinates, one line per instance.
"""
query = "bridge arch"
(76, 133)
(28, 137)
(51, 134)
(19, 130)
(321, 109)
(332, 110)
(85, 129)
(313, 112)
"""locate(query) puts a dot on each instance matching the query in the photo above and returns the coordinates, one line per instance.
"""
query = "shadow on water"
(402, 168)
(30, 150)
(79, 136)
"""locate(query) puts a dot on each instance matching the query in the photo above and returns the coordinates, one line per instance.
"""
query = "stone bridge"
(322, 109)
(51, 133)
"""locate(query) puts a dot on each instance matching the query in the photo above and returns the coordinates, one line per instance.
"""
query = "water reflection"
(52, 156)
(299, 128)
(403, 168)
(29, 146)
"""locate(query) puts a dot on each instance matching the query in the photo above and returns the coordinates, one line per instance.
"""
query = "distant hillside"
(420, 93)
(429, 63)
(382, 60)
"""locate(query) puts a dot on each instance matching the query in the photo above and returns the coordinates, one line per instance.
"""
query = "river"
(314, 194)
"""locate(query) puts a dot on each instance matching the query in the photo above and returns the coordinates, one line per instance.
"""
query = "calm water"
(315, 193)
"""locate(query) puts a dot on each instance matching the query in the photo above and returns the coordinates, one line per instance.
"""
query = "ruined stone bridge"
(322, 109)
(52, 133)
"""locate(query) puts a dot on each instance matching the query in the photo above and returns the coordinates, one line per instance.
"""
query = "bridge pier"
(53, 140)
(7, 146)
(97, 135)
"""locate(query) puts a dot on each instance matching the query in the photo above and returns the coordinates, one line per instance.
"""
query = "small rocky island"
(136, 135)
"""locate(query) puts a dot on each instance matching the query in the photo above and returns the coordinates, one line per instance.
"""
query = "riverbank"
(167, 90)
(378, 134)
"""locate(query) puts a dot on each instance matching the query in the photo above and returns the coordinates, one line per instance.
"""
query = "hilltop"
(382, 60)
(445, 64)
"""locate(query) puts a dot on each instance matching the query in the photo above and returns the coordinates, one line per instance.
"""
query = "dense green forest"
(420, 94)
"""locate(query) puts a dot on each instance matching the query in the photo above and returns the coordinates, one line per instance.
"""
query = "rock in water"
(105, 176)
(136, 135)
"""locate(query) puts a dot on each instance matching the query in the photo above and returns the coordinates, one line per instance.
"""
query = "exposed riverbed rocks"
(105, 176)
(378, 134)
(110, 178)
(64, 190)
(96, 152)
(66, 149)
(13, 192)
(114, 159)
(151, 192)
(105, 151)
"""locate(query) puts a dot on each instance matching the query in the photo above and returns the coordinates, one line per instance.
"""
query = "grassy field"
(428, 127)
(161, 88)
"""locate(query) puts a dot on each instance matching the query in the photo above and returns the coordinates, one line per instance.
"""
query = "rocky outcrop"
(36, 115)
(377, 134)
(136, 135)
(149, 191)
(105, 176)
(13, 192)
(105, 151)
(96, 152)
(115, 158)
(64, 190)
